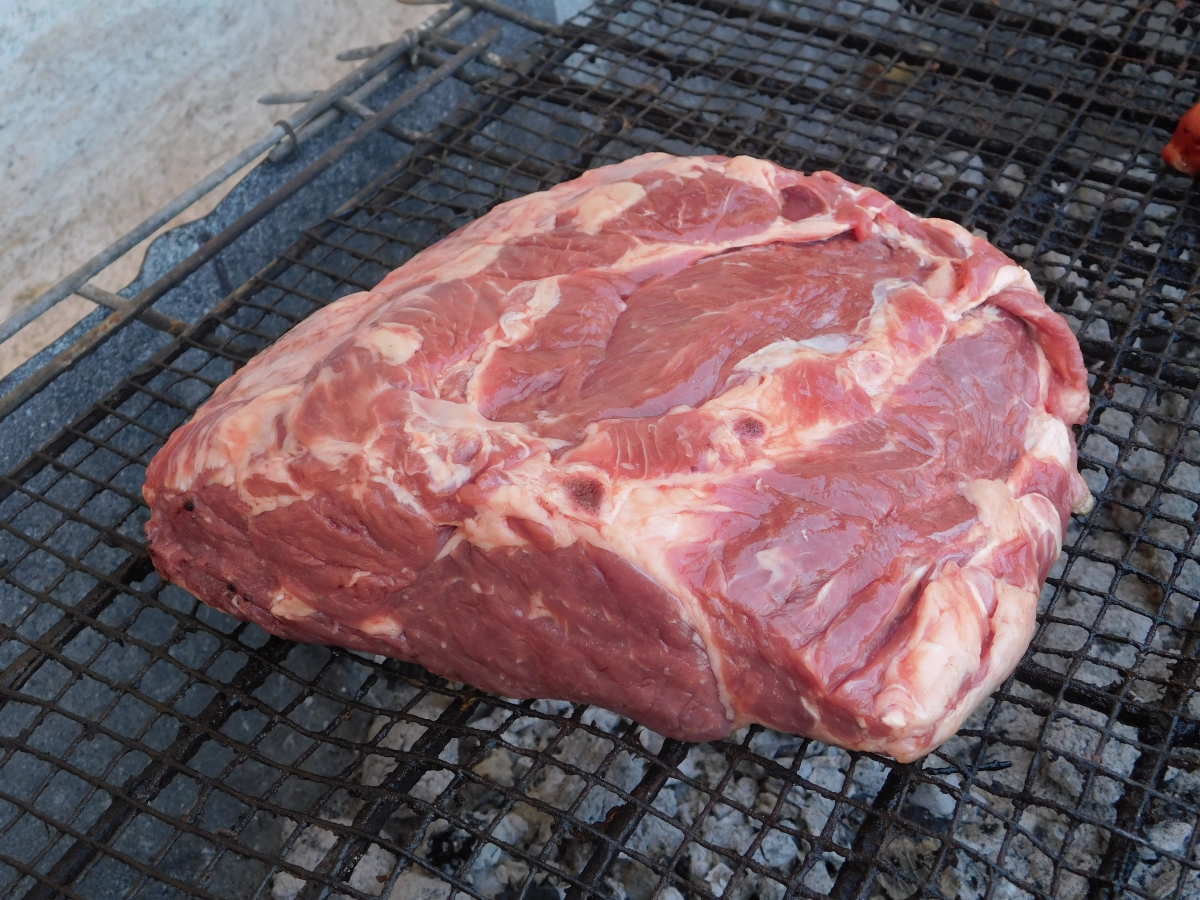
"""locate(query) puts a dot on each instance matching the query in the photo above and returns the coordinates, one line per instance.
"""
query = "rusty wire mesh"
(152, 747)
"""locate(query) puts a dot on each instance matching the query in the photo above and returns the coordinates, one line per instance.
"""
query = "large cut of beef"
(704, 441)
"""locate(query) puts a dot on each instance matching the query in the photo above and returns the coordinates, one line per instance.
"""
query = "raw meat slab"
(704, 441)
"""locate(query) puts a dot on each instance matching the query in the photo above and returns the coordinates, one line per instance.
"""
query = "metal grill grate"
(152, 747)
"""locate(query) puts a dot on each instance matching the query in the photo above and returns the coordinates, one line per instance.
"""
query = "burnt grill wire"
(150, 746)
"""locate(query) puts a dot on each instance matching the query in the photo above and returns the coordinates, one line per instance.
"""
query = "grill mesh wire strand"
(150, 746)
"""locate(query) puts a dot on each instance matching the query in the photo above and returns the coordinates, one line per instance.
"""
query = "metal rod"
(360, 52)
(857, 872)
(288, 97)
(150, 317)
(461, 16)
(149, 295)
(495, 60)
(206, 185)
(282, 151)
(355, 108)
(997, 766)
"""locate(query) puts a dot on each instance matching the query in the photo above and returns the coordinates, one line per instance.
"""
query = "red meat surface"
(704, 441)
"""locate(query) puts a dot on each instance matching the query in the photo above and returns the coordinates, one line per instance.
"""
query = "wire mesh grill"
(150, 746)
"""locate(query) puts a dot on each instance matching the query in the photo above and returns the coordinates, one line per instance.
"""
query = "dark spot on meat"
(750, 428)
(189, 505)
(587, 492)
(801, 203)
(232, 588)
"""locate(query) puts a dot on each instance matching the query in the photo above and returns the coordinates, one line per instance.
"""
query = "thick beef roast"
(704, 441)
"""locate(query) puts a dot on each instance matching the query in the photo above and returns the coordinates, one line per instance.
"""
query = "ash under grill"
(150, 746)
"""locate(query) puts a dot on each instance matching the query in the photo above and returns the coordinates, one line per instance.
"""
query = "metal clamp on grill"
(152, 746)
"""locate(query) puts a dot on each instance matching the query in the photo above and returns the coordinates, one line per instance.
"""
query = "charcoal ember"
(778, 849)
(373, 872)
(447, 847)
(822, 875)
(906, 863)
(493, 869)
(306, 851)
(713, 807)
(826, 769)
(472, 856)
(930, 805)
(729, 830)
(399, 736)
(1158, 870)
(535, 891)
(416, 884)
(1184, 786)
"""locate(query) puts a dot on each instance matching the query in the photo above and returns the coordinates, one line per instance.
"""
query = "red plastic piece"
(1183, 152)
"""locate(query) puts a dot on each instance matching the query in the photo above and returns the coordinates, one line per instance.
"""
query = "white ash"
(1012, 180)
(1085, 759)
(413, 884)
(1081, 766)
(373, 871)
(306, 853)
(912, 856)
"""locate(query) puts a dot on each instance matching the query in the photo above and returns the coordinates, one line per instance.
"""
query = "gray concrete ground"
(109, 108)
